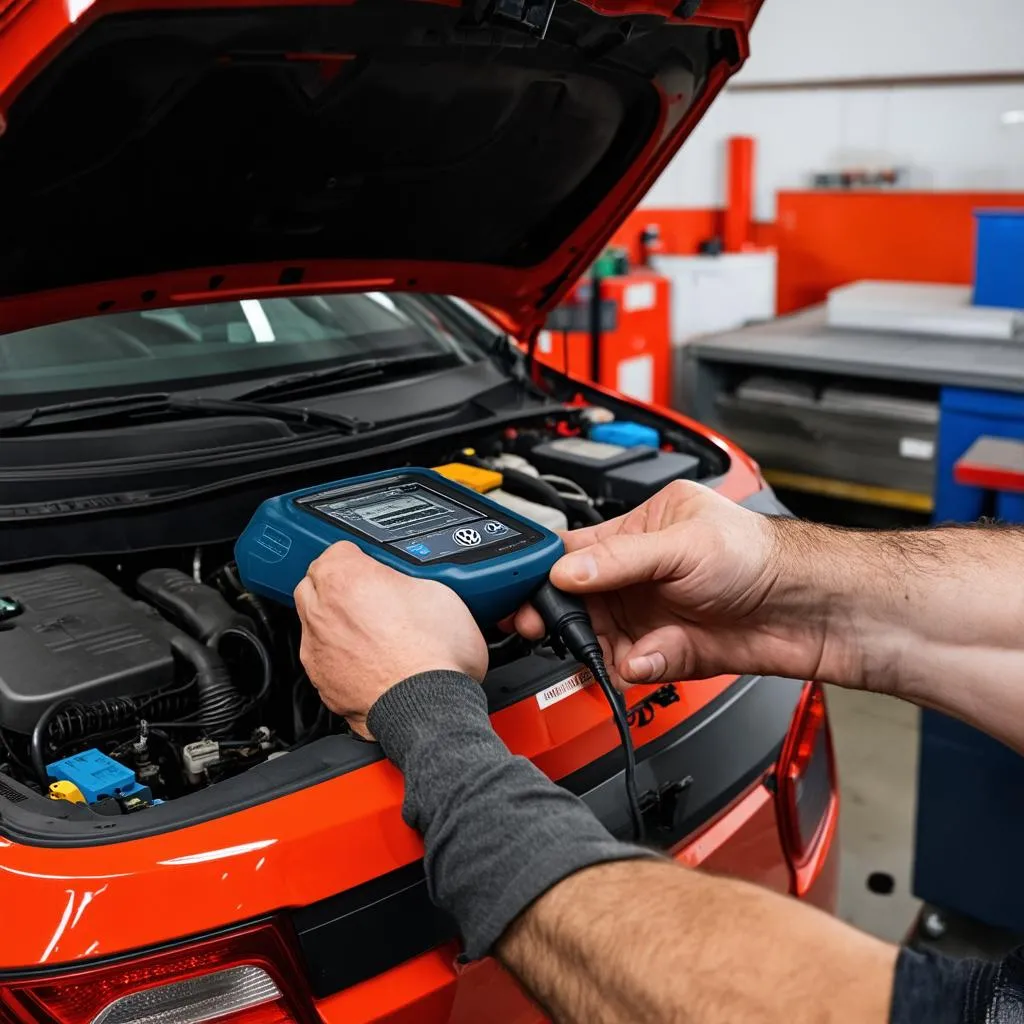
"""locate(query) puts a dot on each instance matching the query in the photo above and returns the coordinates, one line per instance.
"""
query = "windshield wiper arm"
(357, 371)
(127, 406)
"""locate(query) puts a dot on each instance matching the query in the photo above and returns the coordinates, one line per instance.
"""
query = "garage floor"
(876, 751)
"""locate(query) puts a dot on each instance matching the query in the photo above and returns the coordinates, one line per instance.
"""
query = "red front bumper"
(434, 989)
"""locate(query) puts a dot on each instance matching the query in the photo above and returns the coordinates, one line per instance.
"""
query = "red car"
(229, 236)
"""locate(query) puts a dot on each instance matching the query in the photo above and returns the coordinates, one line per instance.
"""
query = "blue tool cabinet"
(970, 806)
(999, 258)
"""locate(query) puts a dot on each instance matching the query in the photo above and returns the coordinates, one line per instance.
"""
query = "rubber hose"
(529, 487)
(266, 666)
(220, 703)
(522, 485)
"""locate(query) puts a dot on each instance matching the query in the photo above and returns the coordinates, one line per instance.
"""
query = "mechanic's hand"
(685, 587)
(366, 627)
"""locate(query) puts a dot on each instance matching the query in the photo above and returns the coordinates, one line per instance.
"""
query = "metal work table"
(804, 341)
(815, 446)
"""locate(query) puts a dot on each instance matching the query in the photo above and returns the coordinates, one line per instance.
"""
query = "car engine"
(127, 683)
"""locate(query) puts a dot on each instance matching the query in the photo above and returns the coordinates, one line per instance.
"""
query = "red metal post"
(739, 210)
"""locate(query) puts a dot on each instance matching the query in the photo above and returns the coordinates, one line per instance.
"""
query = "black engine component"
(626, 475)
(198, 609)
(80, 661)
(77, 637)
(587, 462)
(635, 483)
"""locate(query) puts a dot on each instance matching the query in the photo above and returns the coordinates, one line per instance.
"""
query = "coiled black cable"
(70, 720)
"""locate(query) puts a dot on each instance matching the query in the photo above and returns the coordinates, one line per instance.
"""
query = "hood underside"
(163, 155)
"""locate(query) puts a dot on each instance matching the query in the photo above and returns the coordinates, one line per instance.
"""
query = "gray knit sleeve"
(498, 833)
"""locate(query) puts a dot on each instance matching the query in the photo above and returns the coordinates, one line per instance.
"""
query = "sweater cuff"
(422, 708)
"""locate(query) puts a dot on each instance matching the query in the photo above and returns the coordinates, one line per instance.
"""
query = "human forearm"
(497, 831)
(932, 616)
(597, 930)
(655, 942)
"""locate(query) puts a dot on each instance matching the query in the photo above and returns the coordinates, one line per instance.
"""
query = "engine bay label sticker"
(565, 688)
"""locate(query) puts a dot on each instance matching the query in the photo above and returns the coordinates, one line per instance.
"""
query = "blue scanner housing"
(415, 521)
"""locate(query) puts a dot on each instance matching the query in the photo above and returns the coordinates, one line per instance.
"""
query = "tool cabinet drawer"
(836, 432)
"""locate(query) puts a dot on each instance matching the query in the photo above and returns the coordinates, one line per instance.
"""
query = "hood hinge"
(531, 16)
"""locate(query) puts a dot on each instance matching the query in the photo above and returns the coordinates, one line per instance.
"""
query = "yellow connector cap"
(473, 477)
(64, 790)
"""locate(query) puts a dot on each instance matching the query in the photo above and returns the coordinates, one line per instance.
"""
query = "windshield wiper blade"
(357, 371)
(24, 417)
(125, 407)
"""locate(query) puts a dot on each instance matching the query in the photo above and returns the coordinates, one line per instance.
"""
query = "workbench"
(888, 458)
(934, 397)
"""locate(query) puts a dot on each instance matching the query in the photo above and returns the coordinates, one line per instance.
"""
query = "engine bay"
(131, 681)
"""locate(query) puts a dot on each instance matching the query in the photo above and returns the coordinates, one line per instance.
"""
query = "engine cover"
(77, 637)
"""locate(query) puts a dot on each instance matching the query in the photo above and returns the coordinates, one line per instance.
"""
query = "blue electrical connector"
(97, 776)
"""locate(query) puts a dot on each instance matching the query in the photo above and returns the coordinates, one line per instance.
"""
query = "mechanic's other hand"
(366, 627)
(683, 587)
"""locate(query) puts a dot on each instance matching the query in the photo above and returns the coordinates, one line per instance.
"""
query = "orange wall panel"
(825, 239)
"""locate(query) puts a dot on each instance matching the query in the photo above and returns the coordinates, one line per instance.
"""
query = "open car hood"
(157, 153)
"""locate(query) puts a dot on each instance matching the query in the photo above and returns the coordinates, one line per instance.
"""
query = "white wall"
(949, 137)
(816, 39)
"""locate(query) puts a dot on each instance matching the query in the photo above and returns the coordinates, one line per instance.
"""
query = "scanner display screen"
(414, 519)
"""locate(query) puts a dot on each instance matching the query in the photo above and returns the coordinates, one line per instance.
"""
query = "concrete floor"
(876, 753)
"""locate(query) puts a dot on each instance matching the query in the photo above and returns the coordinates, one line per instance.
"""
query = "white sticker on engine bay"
(566, 688)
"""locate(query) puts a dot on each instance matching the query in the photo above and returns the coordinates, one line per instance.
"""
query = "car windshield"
(167, 349)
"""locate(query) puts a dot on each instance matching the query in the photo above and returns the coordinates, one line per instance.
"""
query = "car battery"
(585, 461)
(630, 475)
(635, 482)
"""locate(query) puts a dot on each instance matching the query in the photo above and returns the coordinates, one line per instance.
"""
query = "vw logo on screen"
(467, 537)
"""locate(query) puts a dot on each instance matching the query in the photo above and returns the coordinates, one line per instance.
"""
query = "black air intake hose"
(208, 619)
(73, 721)
(220, 703)
(196, 608)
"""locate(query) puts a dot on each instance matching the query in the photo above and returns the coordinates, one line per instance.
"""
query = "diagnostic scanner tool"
(424, 525)
(414, 520)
